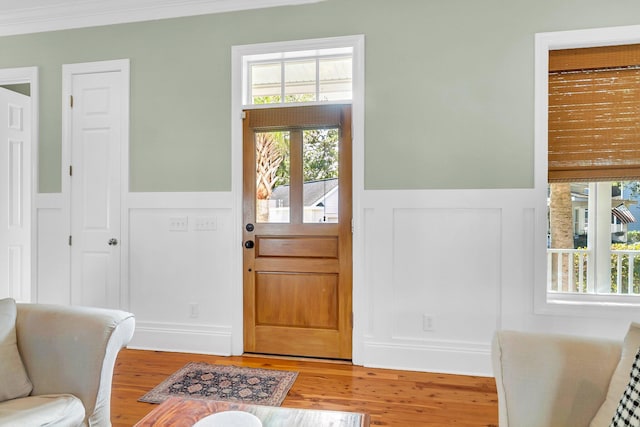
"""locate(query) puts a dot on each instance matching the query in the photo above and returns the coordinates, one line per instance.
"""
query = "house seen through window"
(594, 171)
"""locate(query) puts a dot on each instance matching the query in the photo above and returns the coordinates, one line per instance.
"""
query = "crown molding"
(91, 13)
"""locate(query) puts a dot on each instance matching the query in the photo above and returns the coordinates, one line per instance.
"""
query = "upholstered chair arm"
(67, 349)
(551, 380)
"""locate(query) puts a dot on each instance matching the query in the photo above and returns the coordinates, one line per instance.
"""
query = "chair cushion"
(620, 378)
(13, 377)
(60, 410)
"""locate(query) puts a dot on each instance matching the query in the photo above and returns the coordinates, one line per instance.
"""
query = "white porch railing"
(570, 271)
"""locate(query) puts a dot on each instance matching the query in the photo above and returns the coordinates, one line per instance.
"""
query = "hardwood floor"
(390, 397)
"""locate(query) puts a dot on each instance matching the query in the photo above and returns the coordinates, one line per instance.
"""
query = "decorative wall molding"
(465, 257)
(48, 15)
(446, 255)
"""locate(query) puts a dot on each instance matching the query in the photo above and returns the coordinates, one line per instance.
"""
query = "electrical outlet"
(194, 311)
(178, 223)
(206, 223)
(427, 323)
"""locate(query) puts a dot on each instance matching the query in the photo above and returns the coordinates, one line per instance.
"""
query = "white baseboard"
(184, 338)
(444, 357)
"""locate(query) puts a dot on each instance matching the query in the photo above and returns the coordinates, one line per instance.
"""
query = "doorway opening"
(259, 72)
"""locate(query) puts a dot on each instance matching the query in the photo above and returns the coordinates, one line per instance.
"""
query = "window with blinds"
(594, 114)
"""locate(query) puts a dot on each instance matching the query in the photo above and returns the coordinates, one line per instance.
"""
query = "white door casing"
(15, 194)
(97, 131)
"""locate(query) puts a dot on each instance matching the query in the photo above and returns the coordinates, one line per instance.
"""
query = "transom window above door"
(322, 75)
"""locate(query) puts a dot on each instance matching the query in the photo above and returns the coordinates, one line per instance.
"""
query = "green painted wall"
(449, 86)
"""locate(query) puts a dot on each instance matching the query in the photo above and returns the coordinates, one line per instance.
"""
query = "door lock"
(113, 242)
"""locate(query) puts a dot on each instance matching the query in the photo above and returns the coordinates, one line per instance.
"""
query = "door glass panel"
(320, 171)
(272, 176)
(300, 81)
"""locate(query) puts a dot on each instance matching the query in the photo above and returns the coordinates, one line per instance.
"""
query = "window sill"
(591, 305)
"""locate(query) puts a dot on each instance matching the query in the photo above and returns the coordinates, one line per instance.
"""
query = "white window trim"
(578, 305)
(356, 42)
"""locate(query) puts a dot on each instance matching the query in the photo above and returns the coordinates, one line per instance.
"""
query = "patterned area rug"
(229, 383)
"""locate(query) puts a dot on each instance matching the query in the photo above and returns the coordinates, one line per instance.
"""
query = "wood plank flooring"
(390, 397)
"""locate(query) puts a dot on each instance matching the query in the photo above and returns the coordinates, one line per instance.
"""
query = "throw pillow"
(628, 412)
(13, 377)
(620, 378)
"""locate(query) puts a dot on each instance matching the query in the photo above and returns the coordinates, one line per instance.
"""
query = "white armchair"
(69, 354)
(546, 380)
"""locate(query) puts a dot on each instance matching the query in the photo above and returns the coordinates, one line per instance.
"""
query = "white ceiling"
(32, 16)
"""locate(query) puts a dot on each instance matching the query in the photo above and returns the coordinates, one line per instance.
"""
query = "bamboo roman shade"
(594, 114)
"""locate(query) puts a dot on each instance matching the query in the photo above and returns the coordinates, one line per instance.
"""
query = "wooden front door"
(297, 231)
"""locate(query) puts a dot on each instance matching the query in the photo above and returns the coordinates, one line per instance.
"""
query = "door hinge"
(243, 115)
(70, 240)
(71, 101)
(70, 170)
(352, 320)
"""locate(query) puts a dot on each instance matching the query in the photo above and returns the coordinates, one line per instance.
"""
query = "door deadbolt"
(249, 227)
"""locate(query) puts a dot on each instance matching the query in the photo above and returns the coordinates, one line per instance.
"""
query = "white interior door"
(15, 194)
(96, 134)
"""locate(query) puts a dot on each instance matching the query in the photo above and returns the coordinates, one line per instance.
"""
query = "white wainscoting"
(443, 254)
(467, 259)
(456, 257)
(180, 282)
(53, 284)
